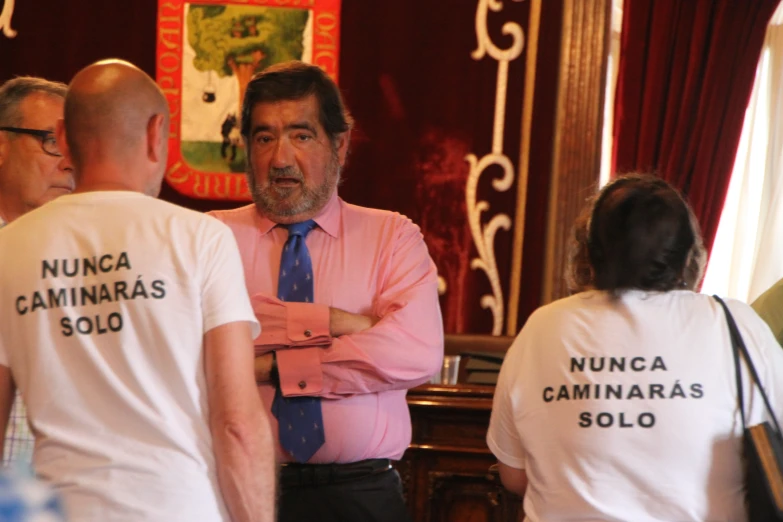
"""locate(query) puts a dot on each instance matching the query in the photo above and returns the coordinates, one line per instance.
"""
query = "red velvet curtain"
(685, 76)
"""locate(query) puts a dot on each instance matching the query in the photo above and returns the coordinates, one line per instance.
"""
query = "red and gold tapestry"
(206, 54)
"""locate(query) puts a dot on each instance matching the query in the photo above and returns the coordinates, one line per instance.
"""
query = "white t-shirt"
(107, 296)
(627, 410)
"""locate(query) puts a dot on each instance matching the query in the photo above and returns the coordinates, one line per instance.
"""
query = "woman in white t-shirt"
(619, 402)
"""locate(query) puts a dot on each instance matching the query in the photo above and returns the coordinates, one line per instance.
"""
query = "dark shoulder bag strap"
(739, 345)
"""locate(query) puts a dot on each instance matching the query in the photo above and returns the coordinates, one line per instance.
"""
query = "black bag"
(762, 446)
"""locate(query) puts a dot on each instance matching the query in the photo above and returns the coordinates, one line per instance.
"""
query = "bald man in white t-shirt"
(129, 330)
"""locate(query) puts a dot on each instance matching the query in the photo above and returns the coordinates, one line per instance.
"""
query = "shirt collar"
(328, 219)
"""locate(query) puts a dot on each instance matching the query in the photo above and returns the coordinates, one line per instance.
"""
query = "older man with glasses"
(32, 172)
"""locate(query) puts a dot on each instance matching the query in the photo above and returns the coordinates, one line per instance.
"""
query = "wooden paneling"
(446, 471)
(579, 123)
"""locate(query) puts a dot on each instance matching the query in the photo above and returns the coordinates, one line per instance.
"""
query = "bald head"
(109, 110)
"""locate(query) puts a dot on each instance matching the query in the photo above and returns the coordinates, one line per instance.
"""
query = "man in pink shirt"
(347, 298)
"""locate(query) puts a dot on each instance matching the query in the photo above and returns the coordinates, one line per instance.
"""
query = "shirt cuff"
(300, 371)
(308, 324)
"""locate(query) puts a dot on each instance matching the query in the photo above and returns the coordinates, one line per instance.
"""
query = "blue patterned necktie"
(300, 420)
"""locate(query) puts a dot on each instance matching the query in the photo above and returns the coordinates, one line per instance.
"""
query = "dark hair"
(15, 91)
(639, 233)
(295, 80)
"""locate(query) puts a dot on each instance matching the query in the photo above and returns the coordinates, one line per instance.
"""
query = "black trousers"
(372, 498)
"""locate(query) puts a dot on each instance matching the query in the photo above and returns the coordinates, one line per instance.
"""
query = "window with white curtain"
(747, 256)
(612, 67)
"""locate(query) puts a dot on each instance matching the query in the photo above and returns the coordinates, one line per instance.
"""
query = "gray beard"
(274, 202)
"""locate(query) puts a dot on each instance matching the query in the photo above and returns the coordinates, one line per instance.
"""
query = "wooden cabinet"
(446, 471)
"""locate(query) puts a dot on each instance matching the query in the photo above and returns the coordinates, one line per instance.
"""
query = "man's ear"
(62, 142)
(157, 134)
(247, 149)
(5, 148)
(342, 141)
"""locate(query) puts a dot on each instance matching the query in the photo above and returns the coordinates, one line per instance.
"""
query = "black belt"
(293, 475)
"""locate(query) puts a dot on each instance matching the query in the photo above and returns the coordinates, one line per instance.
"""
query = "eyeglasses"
(48, 143)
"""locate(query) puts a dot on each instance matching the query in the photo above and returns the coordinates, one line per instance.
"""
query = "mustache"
(276, 173)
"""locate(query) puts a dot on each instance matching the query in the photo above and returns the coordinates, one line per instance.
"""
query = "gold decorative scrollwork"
(442, 285)
(5, 19)
(484, 237)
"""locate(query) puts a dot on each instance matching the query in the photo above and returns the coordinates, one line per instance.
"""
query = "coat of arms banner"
(206, 54)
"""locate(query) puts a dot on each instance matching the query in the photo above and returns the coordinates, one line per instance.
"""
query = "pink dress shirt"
(365, 261)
